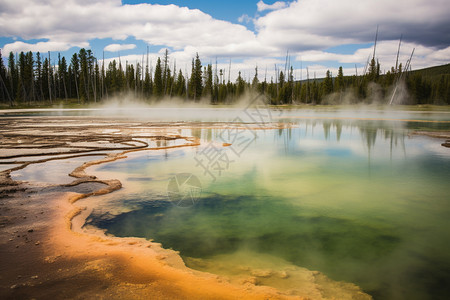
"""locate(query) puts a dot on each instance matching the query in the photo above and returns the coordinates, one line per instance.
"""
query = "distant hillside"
(433, 73)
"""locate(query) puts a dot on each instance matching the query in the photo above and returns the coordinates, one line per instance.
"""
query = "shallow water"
(53, 171)
(359, 200)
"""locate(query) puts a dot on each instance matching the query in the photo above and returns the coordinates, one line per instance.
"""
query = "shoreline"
(413, 108)
(53, 260)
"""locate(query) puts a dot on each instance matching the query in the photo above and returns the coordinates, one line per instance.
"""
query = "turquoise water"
(359, 200)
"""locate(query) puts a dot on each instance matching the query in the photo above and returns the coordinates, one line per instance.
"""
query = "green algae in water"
(361, 203)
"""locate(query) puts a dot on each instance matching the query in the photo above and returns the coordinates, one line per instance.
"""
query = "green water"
(360, 201)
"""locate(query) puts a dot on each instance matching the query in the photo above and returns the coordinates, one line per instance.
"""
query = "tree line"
(32, 79)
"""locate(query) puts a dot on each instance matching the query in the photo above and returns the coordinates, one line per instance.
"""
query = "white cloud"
(71, 22)
(277, 5)
(118, 47)
(244, 19)
(315, 24)
(386, 54)
(19, 46)
(306, 28)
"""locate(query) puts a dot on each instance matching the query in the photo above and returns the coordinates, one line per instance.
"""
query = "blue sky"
(229, 10)
(318, 34)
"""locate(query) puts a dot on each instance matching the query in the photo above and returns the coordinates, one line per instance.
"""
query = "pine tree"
(45, 78)
(374, 71)
(75, 64)
(166, 73)
(170, 80)
(129, 75)
(121, 79)
(51, 81)
(62, 75)
(207, 91)
(29, 76)
(191, 88)
(327, 87)
(38, 74)
(83, 86)
(13, 76)
(339, 82)
(112, 77)
(240, 86)
(97, 82)
(158, 80)
(196, 79)
(287, 90)
(58, 79)
(281, 80)
(180, 86)
(147, 84)
(90, 73)
(136, 79)
(304, 93)
(315, 92)
(255, 81)
(22, 92)
(4, 92)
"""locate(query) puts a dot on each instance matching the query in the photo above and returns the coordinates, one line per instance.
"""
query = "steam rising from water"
(182, 110)
(171, 109)
(375, 96)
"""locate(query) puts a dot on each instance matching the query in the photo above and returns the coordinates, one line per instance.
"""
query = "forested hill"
(433, 73)
(422, 86)
(430, 85)
(33, 79)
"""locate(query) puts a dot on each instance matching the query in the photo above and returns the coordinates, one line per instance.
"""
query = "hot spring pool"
(358, 200)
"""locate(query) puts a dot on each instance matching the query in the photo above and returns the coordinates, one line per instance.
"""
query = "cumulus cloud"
(306, 28)
(386, 54)
(119, 47)
(303, 25)
(244, 19)
(73, 22)
(19, 46)
(312, 24)
(263, 6)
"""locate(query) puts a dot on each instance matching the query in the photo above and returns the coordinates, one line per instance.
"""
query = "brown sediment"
(46, 253)
(41, 258)
(443, 134)
(363, 119)
(6, 180)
